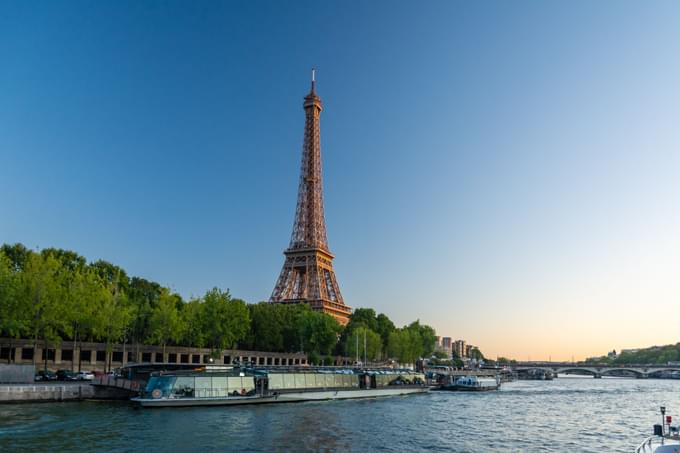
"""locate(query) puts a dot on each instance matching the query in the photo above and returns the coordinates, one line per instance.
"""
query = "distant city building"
(459, 349)
(612, 354)
(446, 343)
(443, 344)
(468, 350)
(629, 351)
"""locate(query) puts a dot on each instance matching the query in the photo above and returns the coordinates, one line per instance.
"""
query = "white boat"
(471, 384)
(666, 438)
(237, 387)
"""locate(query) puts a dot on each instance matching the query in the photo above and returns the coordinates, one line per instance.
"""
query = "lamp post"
(663, 420)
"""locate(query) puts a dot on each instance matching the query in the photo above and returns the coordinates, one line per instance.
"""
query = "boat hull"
(284, 397)
(348, 394)
(460, 388)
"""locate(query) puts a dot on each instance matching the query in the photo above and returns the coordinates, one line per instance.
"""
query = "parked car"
(85, 376)
(66, 375)
(43, 375)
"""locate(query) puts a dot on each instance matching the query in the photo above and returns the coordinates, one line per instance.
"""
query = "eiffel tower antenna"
(307, 275)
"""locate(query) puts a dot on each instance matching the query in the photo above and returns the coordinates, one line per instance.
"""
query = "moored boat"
(666, 438)
(470, 384)
(210, 387)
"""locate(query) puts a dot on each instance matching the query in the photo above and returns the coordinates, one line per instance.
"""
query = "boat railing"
(646, 445)
(650, 443)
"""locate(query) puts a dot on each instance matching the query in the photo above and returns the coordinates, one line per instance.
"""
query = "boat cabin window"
(184, 387)
(162, 383)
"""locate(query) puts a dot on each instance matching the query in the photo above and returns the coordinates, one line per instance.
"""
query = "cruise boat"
(235, 386)
(666, 438)
(470, 384)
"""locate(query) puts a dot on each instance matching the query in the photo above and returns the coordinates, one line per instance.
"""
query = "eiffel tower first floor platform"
(307, 277)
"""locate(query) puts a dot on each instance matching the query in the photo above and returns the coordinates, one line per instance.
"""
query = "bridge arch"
(580, 369)
(610, 372)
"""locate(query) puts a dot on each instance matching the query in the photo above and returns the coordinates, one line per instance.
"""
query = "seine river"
(568, 414)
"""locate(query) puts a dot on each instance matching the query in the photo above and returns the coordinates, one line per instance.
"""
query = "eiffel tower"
(307, 275)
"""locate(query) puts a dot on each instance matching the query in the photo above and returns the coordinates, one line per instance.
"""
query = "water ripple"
(568, 414)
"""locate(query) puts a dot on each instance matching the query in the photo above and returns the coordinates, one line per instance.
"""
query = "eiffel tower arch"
(307, 275)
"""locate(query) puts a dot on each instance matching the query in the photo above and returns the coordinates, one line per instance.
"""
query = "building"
(446, 344)
(94, 356)
(443, 344)
(468, 350)
(307, 275)
(459, 349)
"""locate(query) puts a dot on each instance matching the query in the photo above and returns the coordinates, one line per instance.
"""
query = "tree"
(405, 345)
(319, 332)
(12, 319)
(69, 260)
(227, 320)
(266, 331)
(40, 294)
(426, 334)
(360, 337)
(363, 317)
(193, 325)
(17, 254)
(165, 322)
(476, 354)
(384, 327)
(143, 296)
(113, 312)
(82, 295)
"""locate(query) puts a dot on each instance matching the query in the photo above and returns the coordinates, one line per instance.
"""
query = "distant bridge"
(638, 370)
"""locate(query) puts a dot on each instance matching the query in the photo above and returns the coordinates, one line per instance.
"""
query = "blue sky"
(507, 172)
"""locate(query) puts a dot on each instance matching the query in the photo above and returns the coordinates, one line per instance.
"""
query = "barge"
(225, 386)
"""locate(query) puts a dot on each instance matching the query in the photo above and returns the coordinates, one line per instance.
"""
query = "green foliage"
(143, 296)
(366, 318)
(319, 332)
(654, 355)
(55, 295)
(17, 255)
(12, 318)
(192, 324)
(440, 355)
(412, 342)
(225, 320)
(505, 361)
(476, 354)
(384, 326)
(363, 336)
(426, 334)
(165, 322)
(267, 328)
(363, 317)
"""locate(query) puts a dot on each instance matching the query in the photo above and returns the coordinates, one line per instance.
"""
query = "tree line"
(54, 295)
(659, 355)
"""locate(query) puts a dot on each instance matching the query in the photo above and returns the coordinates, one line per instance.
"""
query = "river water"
(568, 414)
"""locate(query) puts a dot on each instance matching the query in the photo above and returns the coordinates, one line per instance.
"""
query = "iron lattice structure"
(307, 275)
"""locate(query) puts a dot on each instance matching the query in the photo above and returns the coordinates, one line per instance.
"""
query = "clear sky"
(507, 172)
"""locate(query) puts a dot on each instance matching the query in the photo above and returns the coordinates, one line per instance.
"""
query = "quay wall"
(45, 392)
(16, 374)
(17, 393)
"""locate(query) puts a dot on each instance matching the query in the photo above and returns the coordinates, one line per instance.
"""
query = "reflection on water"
(567, 414)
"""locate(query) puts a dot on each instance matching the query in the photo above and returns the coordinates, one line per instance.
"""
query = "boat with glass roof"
(211, 386)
